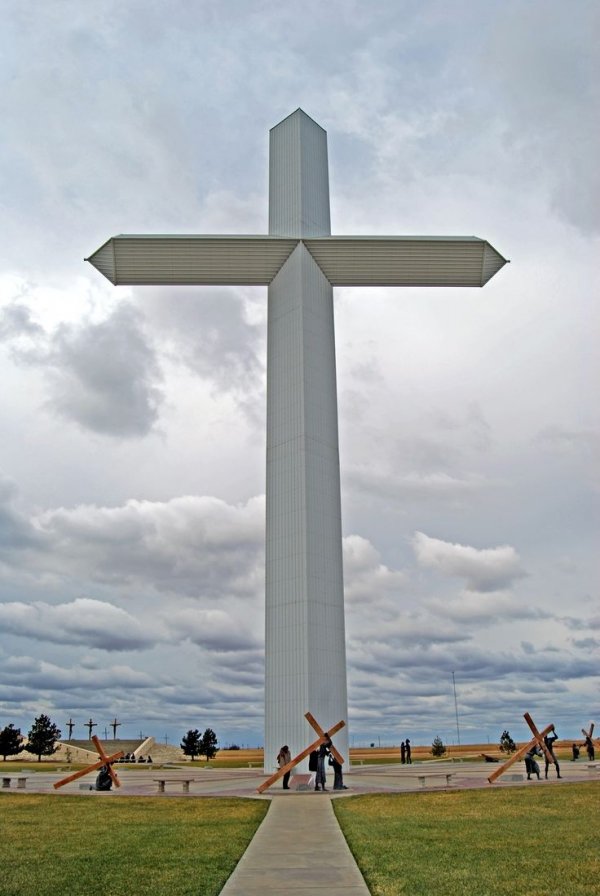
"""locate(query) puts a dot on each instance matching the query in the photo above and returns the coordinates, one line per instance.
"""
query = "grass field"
(517, 841)
(122, 847)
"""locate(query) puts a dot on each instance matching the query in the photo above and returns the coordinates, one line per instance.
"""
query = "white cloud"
(487, 569)
(101, 375)
(92, 623)
(199, 546)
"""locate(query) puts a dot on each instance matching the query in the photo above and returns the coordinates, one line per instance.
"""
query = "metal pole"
(456, 709)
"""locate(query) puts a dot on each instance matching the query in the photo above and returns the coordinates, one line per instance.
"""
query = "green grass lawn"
(531, 841)
(101, 846)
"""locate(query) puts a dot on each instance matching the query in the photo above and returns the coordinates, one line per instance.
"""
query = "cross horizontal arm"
(192, 260)
(405, 260)
(255, 260)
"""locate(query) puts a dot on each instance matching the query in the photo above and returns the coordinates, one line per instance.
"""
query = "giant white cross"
(299, 260)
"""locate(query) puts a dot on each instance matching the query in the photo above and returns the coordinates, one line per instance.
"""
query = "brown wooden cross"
(589, 733)
(538, 738)
(323, 736)
(104, 760)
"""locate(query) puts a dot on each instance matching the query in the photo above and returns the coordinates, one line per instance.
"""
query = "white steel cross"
(300, 262)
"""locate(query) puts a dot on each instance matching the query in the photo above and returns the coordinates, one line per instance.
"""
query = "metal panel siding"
(104, 260)
(199, 260)
(492, 262)
(305, 635)
(298, 178)
(345, 261)
(399, 261)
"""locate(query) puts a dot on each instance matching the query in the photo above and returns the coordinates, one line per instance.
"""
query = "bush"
(437, 747)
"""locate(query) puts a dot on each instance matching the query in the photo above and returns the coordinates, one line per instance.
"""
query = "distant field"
(254, 758)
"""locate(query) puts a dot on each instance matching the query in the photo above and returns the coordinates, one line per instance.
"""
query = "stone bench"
(185, 783)
(20, 779)
(425, 776)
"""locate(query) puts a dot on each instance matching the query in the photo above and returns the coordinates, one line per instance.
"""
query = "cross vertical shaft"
(305, 636)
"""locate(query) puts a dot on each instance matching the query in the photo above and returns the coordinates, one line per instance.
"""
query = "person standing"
(549, 740)
(402, 752)
(408, 753)
(323, 753)
(283, 757)
(589, 745)
(338, 778)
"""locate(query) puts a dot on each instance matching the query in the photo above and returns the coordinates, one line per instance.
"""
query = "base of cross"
(104, 760)
(323, 737)
(538, 738)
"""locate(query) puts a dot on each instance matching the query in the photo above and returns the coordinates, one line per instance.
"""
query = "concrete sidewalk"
(299, 847)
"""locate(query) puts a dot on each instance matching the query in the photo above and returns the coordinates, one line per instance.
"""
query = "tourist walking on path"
(283, 757)
(549, 744)
(408, 756)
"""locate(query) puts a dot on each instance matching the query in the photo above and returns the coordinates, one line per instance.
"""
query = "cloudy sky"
(132, 451)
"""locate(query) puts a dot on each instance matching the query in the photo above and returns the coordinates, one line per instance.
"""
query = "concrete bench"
(185, 783)
(425, 776)
(19, 779)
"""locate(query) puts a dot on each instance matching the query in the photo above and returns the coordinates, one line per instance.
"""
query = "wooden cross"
(104, 760)
(538, 738)
(589, 733)
(323, 736)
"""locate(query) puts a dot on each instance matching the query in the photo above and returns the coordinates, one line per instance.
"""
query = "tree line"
(44, 734)
(196, 744)
(41, 739)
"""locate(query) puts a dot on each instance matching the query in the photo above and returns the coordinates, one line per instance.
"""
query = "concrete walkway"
(299, 847)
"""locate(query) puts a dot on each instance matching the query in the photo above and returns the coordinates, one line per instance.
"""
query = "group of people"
(317, 761)
(405, 756)
(589, 748)
(130, 757)
(531, 765)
